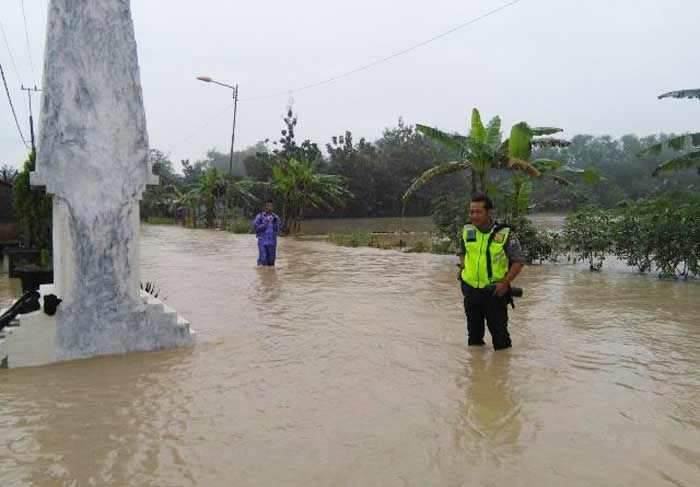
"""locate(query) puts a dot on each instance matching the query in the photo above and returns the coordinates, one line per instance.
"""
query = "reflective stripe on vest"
(476, 243)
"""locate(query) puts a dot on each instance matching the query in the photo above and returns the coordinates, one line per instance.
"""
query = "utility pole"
(233, 132)
(31, 118)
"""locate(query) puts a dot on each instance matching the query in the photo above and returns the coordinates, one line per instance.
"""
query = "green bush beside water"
(660, 235)
(656, 235)
(160, 220)
(539, 244)
(239, 225)
(409, 242)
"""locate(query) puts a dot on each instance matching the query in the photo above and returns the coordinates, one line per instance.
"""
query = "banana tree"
(688, 143)
(209, 190)
(241, 192)
(520, 146)
(300, 187)
(483, 151)
(183, 198)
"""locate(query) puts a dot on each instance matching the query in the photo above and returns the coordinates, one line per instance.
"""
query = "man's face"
(268, 207)
(478, 214)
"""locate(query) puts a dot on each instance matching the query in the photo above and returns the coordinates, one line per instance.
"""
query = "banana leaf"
(693, 93)
(548, 142)
(493, 132)
(536, 131)
(686, 161)
(432, 173)
(478, 130)
(676, 144)
(453, 142)
(523, 165)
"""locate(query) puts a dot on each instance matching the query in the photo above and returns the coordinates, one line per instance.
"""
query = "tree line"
(356, 178)
(348, 178)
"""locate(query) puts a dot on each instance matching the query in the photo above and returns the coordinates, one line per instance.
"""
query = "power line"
(9, 98)
(212, 118)
(387, 58)
(12, 58)
(26, 35)
(9, 51)
(289, 92)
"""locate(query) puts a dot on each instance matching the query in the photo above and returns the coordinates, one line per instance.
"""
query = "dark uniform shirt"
(513, 250)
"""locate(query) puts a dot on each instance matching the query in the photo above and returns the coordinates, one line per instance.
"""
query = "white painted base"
(33, 342)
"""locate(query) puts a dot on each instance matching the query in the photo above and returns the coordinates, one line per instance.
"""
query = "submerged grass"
(160, 220)
(407, 242)
(239, 225)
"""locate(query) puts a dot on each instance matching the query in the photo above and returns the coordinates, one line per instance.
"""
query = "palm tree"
(300, 187)
(483, 151)
(689, 143)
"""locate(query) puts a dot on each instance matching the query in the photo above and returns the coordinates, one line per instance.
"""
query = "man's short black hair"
(481, 196)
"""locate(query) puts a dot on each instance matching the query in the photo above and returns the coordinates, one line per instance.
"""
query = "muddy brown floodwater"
(349, 367)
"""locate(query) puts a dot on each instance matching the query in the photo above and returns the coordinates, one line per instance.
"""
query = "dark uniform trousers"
(483, 305)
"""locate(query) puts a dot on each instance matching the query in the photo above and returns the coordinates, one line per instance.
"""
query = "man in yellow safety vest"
(491, 257)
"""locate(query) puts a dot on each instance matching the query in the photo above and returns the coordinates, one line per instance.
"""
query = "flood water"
(349, 367)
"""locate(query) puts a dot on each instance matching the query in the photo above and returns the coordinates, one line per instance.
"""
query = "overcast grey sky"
(592, 66)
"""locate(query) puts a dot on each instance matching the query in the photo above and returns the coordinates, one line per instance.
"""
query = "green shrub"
(160, 220)
(354, 239)
(588, 236)
(538, 244)
(661, 233)
(450, 215)
(631, 234)
(419, 247)
(32, 207)
(443, 247)
(239, 225)
(45, 259)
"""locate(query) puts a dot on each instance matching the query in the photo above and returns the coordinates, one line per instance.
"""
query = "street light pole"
(207, 79)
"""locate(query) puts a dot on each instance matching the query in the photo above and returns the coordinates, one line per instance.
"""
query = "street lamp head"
(206, 79)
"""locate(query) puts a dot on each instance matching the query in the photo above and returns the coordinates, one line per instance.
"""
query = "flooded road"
(348, 367)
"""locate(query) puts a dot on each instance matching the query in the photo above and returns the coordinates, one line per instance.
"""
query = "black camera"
(513, 291)
(516, 292)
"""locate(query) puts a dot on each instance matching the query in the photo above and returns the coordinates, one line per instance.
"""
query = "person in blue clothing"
(266, 226)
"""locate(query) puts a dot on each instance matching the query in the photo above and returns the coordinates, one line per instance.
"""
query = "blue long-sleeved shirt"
(266, 226)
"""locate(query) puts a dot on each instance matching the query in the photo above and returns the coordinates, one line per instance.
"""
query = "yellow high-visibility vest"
(485, 261)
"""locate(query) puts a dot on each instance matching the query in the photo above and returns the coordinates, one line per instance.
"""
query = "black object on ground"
(150, 288)
(51, 302)
(26, 304)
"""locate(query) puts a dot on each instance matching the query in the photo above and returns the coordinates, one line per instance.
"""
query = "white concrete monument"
(93, 159)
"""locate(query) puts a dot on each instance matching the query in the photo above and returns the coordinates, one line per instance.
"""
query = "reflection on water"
(348, 367)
